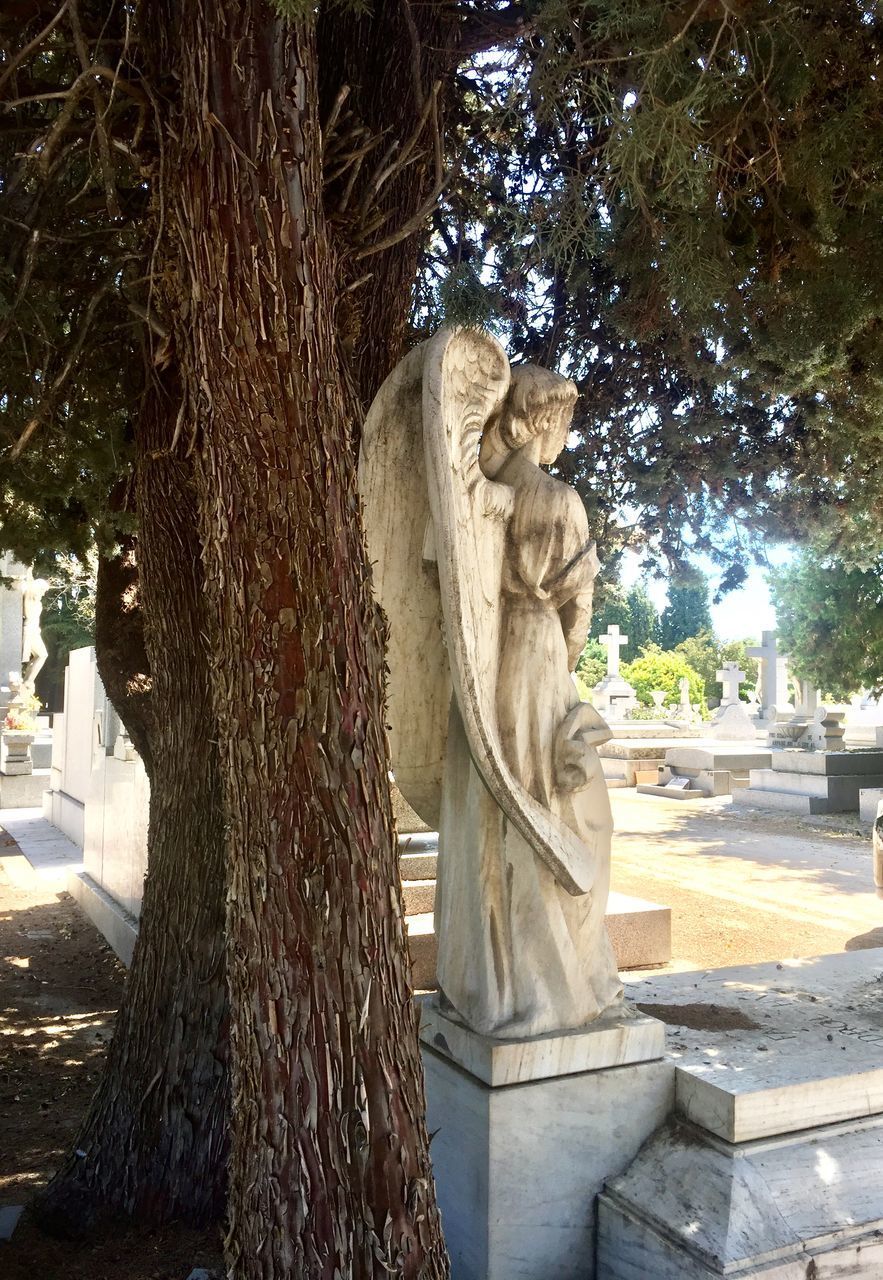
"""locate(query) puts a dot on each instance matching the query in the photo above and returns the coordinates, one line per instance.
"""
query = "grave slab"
(813, 782)
(689, 794)
(772, 1165)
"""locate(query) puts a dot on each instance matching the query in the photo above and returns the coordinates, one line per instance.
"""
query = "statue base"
(527, 1131)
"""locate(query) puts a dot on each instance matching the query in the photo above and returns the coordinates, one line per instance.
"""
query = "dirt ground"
(745, 886)
(59, 989)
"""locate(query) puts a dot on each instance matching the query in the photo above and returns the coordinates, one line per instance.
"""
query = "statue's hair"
(539, 402)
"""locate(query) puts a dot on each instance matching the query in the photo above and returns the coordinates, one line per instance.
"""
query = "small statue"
(33, 647)
(485, 569)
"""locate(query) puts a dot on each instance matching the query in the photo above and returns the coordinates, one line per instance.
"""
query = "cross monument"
(613, 642)
(730, 677)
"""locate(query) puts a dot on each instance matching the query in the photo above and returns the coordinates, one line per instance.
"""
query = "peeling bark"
(330, 1170)
(154, 1144)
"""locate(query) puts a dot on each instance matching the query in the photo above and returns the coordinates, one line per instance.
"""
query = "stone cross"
(730, 677)
(773, 672)
(613, 642)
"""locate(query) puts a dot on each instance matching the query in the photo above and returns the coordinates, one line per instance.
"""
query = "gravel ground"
(747, 886)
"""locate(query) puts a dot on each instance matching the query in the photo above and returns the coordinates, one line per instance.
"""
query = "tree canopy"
(681, 206)
(678, 205)
(687, 612)
(830, 622)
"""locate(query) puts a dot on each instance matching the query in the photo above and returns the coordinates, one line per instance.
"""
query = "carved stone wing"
(398, 530)
(465, 380)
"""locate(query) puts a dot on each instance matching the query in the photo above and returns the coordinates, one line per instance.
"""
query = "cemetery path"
(59, 989)
(746, 886)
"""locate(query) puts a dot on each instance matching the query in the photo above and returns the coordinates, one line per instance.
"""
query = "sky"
(741, 614)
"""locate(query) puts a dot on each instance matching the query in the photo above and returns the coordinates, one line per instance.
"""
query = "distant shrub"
(658, 669)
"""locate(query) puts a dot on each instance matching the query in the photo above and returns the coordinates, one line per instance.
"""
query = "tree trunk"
(330, 1170)
(154, 1144)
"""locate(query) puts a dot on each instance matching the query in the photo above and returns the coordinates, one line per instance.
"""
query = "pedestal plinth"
(526, 1132)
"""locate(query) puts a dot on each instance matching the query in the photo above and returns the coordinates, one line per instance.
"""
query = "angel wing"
(398, 530)
(436, 531)
(466, 377)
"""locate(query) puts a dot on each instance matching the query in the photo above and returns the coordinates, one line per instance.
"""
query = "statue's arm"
(576, 617)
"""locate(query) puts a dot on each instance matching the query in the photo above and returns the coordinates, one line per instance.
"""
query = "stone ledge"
(618, 1038)
(118, 927)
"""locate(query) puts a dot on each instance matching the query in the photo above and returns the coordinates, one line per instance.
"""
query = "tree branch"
(49, 400)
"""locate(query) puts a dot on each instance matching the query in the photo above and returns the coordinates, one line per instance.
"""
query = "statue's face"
(555, 434)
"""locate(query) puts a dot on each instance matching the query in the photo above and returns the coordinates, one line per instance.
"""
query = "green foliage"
(687, 612)
(682, 208)
(707, 655)
(584, 688)
(657, 669)
(830, 622)
(464, 300)
(592, 666)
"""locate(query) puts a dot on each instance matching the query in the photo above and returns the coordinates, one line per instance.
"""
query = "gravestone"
(732, 722)
(774, 678)
(613, 695)
(730, 677)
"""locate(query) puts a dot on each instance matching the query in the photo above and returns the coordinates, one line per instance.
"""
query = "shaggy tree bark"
(330, 1170)
(154, 1144)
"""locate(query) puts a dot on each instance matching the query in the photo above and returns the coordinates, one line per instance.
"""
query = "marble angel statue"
(483, 564)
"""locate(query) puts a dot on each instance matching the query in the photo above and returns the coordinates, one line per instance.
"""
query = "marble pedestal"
(15, 753)
(526, 1132)
(23, 791)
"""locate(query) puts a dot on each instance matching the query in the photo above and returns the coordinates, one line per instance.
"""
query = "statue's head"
(539, 403)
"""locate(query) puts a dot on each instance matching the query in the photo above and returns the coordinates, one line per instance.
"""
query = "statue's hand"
(574, 759)
(497, 500)
(572, 764)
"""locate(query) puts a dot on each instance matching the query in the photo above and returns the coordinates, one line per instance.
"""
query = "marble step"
(787, 802)
(418, 866)
(640, 934)
(746, 1095)
(419, 896)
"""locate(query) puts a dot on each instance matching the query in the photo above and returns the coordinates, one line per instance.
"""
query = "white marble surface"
(806, 1207)
(806, 1044)
(831, 763)
(50, 853)
(518, 1168)
(749, 1095)
(620, 1036)
(868, 800)
(733, 723)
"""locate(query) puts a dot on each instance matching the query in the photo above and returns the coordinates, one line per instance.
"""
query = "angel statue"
(484, 567)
